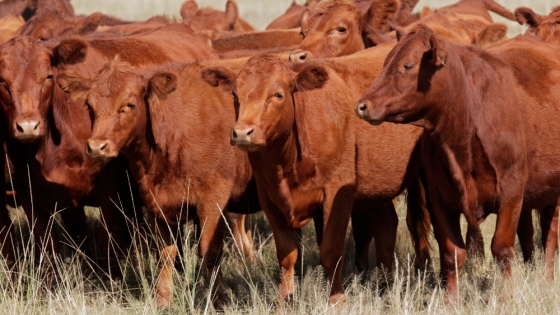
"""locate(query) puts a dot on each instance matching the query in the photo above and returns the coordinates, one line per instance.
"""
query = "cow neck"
(287, 155)
(454, 126)
(141, 155)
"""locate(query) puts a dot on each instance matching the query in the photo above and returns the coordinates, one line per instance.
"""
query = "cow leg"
(384, 229)
(362, 231)
(211, 242)
(75, 222)
(418, 220)
(525, 232)
(242, 243)
(503, 242)
(475, 242)
(447, 230)
(549, 227)
(168, 253)
(318, 224)
(286, 246)
(6, 237)
(337, 209)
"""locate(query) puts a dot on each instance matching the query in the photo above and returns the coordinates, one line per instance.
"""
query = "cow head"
(339, 28)
(546, 28)
(401, 92)
(264, 98)
(121, 103)
(209, 19)
(49, 23)
(27, 83)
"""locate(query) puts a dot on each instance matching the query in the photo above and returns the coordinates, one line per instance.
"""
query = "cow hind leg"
(168, 252)
(549, 227)
(525, 232)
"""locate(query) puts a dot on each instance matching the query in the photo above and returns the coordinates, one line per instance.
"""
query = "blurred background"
(260, 12)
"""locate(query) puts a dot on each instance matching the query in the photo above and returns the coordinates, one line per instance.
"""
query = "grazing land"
(253, 286)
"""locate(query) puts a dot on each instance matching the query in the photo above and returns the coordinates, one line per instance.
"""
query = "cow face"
(26, 87)
(264, 99)
(339, 27)
(123, 106)
(400, 92)
(49, 23)
(546, 28)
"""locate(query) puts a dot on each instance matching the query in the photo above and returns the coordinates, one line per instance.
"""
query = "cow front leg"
(549, 227)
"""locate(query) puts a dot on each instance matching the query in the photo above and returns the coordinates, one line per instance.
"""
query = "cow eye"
(341, 30)
(279, 95)
(131, 106)
(301, 34)
(408, 66)
(50, 77)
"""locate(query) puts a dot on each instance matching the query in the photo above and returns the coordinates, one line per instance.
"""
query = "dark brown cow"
(206, 20)
(35, 110)
(294, 16)
(544, 27)
(310, 163)
(143, 116)
(490, 127)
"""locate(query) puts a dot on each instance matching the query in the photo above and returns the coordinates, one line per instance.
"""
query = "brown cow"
(49, 23)
(309, 162)
(27, 8)
(143, 117)
(35, 110)
(544, 27)
(253, 42)
(207, 19)
(490, 127)
(337, 28)
(341, 20)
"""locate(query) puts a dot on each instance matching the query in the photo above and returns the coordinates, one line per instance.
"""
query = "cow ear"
(304, 17)
(438, 49)
(231, 12)
(527, 16)
(69, 51)
(310, 78)
(73, 84)
(399, 32)
(219, 76)
(90, 23)
(381, 13)
(493, 33)
(189, 9)
(161, 84)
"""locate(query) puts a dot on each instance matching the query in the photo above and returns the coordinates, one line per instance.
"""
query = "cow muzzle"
(245, 138)
(362, 109)
(300, 56)
(28, 130)
(101, 149)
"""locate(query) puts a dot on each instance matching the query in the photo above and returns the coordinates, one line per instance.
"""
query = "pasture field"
(253, 285)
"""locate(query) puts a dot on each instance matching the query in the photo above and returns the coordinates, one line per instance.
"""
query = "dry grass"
(253, 287)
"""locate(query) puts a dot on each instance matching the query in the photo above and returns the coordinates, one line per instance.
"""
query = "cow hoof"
(337, 299)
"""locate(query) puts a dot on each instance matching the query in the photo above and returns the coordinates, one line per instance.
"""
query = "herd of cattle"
(214, 120)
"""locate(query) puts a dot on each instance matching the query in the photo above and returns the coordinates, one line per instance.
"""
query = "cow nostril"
(88, 149)
(250, 131)
(103, 146)
(233, 134)
(19, 128)
(37, 125)
(362, 107)
(302, 56)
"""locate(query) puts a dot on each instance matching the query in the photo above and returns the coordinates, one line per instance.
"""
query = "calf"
(488, 147)
(142, 115)
(310, 163)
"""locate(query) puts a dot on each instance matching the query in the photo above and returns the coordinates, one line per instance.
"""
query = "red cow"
(490, 120)
(309, 162)
(294, 17)
(544, 27)
(61, 174)
(142, 115)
